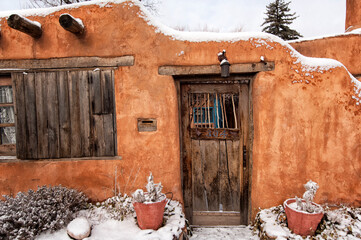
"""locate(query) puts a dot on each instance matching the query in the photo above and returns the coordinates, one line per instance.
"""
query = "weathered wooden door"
(214, 153)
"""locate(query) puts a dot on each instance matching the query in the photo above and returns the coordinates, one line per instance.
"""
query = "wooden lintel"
(71, 24)
(25, 25)
(71, 62)
(216, 69)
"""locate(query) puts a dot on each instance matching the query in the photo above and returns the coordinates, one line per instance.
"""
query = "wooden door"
(214, 153)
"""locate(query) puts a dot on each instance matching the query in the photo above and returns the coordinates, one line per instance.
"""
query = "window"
(64, 114)
(7, 117)
(214, 110)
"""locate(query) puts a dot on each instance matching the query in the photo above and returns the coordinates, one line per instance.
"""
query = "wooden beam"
(71, 24)
(216, 69)
(25, 25)
(71, 62)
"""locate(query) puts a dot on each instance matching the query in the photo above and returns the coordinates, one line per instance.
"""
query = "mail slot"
(147, 124)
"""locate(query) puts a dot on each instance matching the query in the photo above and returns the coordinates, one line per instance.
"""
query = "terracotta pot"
(301, 222)
(150, 215)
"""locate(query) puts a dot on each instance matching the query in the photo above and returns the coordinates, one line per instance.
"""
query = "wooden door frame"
(246, 82)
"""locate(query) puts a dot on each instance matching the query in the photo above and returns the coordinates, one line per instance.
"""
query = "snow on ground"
(223, 233)
(341, 223)
(107, 228)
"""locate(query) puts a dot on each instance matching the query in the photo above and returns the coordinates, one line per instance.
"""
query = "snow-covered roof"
(258, 39)
(356, 31)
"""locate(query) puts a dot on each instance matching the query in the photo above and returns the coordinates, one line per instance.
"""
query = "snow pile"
(342, 223)
(79, 228)
(48, 208)
(106, 227)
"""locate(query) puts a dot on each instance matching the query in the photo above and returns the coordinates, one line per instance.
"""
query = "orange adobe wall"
(305, 118)
(353, 15)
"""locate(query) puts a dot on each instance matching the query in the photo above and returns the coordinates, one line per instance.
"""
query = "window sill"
(13, 159)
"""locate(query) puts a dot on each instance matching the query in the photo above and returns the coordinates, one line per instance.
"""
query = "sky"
(316, 17)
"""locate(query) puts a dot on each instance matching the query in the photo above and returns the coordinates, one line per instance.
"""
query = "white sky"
(316, 17)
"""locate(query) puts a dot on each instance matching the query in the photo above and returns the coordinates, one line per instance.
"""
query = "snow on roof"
(356, 31)
(259, 39)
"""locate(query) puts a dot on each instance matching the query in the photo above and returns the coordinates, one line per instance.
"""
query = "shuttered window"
(64, 114)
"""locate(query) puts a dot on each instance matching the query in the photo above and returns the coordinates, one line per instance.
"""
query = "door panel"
(212, 143)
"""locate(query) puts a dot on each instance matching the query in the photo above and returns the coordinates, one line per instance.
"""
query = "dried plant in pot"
(303, 215)
(149, 206)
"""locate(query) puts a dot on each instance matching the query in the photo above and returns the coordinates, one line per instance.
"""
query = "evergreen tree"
(278, 20)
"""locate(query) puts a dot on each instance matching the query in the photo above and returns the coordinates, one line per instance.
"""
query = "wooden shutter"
(65, 114)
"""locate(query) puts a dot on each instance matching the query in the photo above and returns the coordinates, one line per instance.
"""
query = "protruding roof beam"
(25, 25)
(71, 24)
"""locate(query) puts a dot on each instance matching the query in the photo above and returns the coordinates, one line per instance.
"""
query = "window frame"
(7, 149)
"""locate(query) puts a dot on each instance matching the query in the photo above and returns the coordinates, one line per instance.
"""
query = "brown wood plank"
(5, 80)
(31, 123)
(225, 180)
(53, 115)
(216, 69)
(99, 143)
(200, 202)
(73, 83)
(41, 83)
(108, 135)
(114, 116)
(6, 104)
(214, 88)
(8, 149)
(216, 218)
(211, 174)
(107, 89)
(64, 116)
(2, 125)
(234, 174)
(18, 83)
(186, 153)
(95, 92)
(71, 62)
(214, 134)
(245, 145)
(84, 116)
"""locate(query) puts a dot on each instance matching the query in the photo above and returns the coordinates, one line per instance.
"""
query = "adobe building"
(98, 108)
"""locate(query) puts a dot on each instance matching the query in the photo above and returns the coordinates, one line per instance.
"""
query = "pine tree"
(278, 20)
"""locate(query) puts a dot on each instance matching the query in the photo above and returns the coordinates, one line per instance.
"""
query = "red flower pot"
(301, 222)
(150, 215)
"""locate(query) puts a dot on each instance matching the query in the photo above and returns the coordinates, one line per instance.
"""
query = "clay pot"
(150, 215)
(300, 222)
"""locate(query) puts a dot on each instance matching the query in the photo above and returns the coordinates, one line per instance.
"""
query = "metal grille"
(214, 110)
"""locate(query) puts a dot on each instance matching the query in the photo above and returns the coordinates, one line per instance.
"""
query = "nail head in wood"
(25, 25)
(71, 24)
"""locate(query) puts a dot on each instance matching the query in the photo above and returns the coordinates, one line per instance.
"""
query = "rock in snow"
(79, 228)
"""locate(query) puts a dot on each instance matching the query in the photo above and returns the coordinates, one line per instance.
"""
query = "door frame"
(246, 82)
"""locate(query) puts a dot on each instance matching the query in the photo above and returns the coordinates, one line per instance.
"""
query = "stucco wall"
(353, 15)
(344, 48)
(302, 130)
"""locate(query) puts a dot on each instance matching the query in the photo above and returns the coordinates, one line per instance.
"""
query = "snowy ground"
(105, 227)
(223, 233)
(341, 223)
